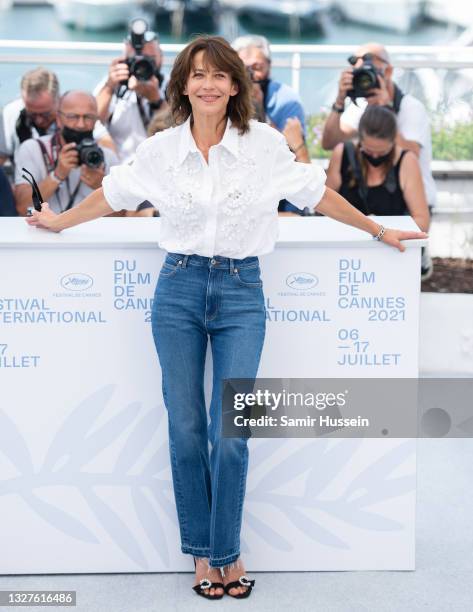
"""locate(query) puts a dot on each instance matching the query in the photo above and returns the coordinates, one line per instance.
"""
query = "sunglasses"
(37, 197)
(367, 57)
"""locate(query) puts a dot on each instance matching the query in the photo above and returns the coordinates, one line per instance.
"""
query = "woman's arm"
(412, 186)
(92, 207)
(334, 171)
(333, 205)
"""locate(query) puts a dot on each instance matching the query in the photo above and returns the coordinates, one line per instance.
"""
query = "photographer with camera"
(133, 91)
(69, 164)
(278, 101)
(275, 103)
(369, 81)
(31, 116)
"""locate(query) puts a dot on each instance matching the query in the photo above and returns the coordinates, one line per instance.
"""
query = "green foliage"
(449, 142)
(452, 142)
(315, 125)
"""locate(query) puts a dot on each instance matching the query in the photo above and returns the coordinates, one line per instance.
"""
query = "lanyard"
(144, 118)
(50, 161)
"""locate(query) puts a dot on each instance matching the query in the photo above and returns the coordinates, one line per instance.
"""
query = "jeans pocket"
(248, 277)
(168, 269)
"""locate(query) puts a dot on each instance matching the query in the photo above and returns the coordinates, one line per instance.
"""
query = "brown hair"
(378, 122)
(219, 54)
(160, 121)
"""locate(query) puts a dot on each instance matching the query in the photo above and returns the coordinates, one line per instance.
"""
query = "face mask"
(377, 161)
(77, 136)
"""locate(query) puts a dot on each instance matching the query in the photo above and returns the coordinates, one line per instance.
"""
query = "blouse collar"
(187, 143)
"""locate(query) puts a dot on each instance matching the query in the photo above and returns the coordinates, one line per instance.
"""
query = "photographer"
(69, 164)
(278, 101)
(133, 91)
(31, 116)
(275, 103)
(369, 81)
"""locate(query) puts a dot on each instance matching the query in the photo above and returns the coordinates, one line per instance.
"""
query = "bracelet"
(156, 105)
(338, 109)
(380, 234)
(299, 147)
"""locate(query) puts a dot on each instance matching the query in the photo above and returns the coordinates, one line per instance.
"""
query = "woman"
(376, 175)
(216, 179)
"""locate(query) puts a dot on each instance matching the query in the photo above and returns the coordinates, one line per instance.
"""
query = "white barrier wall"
(85, 481)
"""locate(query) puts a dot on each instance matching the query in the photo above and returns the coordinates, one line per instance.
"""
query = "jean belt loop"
(184, 261)
(232, 265)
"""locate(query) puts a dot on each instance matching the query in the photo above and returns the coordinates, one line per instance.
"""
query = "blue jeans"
(222, 299)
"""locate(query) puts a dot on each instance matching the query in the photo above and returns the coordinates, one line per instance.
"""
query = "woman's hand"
(44, 219)
(393, 237)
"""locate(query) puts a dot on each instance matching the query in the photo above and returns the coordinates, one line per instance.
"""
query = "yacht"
(96, 14)
(295, 15)
(457, 12)
(398, 15)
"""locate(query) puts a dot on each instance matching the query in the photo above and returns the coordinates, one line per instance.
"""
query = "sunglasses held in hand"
(37, 197)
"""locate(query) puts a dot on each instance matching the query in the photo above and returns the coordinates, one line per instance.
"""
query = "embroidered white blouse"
(227, 207)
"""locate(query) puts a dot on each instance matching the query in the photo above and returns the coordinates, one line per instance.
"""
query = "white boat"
(398, 15)
(96, 14)
(292, 14)
(458, 12)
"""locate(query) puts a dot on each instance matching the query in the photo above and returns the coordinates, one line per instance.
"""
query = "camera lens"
(143, 70)
(365, 81)
(93, 158)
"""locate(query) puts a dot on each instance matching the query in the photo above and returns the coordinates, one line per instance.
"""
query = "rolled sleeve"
(128, 185)
(300, 183)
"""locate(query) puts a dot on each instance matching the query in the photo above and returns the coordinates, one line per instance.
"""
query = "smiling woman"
(206, 79)
(216, 178)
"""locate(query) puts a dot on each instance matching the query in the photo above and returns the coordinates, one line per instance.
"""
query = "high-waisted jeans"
(222, 299)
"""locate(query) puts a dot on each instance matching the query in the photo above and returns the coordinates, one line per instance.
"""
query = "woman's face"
(208, 88)
(375, 147)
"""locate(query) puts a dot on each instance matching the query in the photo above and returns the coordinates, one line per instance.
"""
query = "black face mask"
(77, 136)
(377, 161)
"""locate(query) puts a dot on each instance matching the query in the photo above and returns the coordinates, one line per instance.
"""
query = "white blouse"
(227, 207)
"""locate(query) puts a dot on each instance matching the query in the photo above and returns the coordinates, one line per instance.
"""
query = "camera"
(365, 78)
(90, 153)
(140, 66)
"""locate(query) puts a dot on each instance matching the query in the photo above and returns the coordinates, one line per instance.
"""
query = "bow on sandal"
(242, 581)
(204, 585)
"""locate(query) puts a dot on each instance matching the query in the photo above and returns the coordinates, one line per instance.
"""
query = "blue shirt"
(282, 102)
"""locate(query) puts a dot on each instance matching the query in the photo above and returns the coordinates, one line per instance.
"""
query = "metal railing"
(440, 76)
(296, 57)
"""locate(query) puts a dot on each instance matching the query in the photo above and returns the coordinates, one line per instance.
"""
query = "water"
(40, 23)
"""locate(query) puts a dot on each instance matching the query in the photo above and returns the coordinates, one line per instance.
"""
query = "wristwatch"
(156, 105)
(338, 109)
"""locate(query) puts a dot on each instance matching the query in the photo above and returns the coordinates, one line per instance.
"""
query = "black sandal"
(242, 581)
(206, 584)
